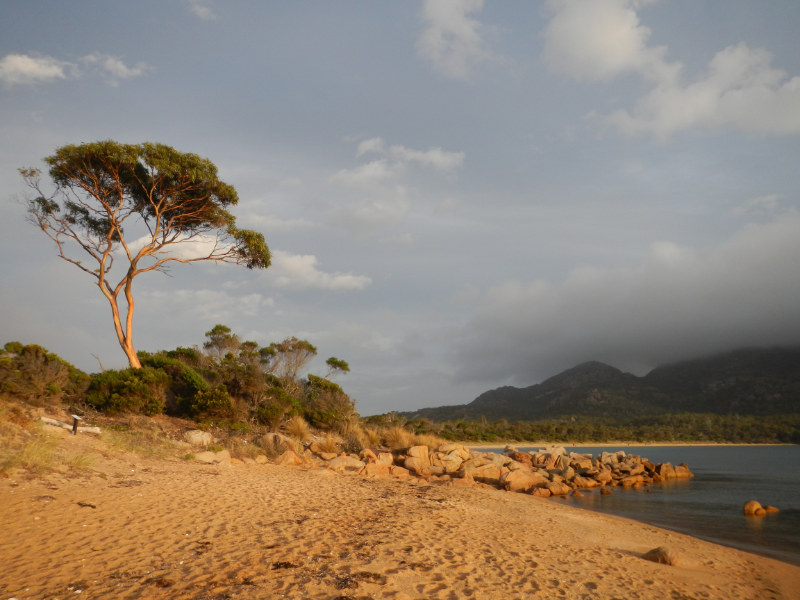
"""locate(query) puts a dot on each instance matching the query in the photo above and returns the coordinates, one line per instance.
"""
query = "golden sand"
(131, 527)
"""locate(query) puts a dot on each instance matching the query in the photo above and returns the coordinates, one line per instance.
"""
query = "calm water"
(710, 505)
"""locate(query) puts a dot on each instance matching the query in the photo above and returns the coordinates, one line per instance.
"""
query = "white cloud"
(201, 305)
(375, 145)
(201, 9)
(272, 224)
(23, 69)
(300, 271)
(740, 90)
(599, 40)
(380, 184)
(436, 158)
(452, 40)
(677, 303)
(368, 174)
(113, 67)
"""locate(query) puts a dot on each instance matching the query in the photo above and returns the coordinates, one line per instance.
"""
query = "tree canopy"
(135, 208)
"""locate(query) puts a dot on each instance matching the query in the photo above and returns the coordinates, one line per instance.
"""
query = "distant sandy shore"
(165, 528)
(617, 445)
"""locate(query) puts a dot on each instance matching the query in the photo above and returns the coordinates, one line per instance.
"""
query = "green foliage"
(326, 404)
(34, 375)
(151, 192)
(140, 391)
(212, 403)
(337, 365)
(277, 404)
(683, 427)
(184, 381)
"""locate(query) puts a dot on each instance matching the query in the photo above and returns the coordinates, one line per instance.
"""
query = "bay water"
(710, 505)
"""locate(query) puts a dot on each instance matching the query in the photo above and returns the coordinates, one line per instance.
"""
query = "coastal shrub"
(326, 404)
(32, 374)
(277, 403)
(184, 381)
(141, 391)
(213, 403)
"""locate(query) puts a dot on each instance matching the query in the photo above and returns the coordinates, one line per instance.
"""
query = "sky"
(458, 194)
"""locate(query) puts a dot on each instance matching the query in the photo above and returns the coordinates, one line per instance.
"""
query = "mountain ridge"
(747, 381)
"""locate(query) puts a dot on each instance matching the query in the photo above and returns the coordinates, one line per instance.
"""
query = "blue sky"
(458, 194)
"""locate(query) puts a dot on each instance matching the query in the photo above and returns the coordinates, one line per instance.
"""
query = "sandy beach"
(133, 527)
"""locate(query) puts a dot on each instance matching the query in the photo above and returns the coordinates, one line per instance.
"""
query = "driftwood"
(56, 423)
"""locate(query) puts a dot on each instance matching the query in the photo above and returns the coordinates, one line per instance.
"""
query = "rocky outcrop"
(549, 472)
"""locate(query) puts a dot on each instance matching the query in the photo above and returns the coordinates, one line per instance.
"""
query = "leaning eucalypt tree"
(116, 211)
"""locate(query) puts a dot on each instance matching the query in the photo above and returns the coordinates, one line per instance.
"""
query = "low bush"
(142, 391)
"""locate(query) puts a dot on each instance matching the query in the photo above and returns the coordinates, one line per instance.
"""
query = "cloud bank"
(679, 301)
(600, 40)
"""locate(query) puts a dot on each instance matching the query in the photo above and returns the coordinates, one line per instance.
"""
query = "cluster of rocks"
(548, 472)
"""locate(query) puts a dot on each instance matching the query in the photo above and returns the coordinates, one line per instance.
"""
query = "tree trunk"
(124, 336)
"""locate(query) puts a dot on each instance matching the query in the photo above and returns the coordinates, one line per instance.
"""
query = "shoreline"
(132, 527)
(621, 445)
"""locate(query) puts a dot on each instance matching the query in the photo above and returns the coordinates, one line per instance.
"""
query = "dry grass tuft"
(298, 428)
(275, 444)
(429, 440)
(397, 438)
(331, 443)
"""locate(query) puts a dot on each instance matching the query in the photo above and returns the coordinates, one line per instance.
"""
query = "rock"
(682, 472)
(753, 509)
(576, 494)
(522, 457)
(386, 458)
(345, 463)
(327, 455)
(558, 488)
(420, 466)
(584, 482)
(666, 555)
(521, 480)
(666, 471)
(604, 491)
(631, 481)
(399, 472)
(197, 437)
(541, 492)
(603, 477)
(771, 509)
(288, 458)
(489, 473)
(376, 469)
(213, 458)
(261, 459)
(418, 452)
(368, 455)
